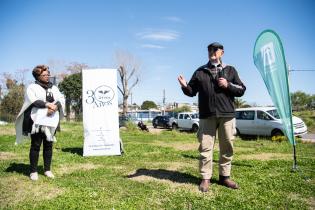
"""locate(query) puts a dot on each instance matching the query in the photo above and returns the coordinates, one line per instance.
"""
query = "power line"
(301, 70)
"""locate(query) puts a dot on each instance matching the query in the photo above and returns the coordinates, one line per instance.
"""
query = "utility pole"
(164, 99)
(131, 99)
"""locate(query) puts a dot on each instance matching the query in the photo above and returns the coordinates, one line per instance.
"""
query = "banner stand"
(100, 112)
(270, 61)
(295, 167)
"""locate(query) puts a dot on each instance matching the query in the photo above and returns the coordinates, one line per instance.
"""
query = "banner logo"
(268, 55)
(101, 96)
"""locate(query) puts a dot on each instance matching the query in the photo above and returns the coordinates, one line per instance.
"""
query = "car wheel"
(154, 125)
(237, 132)
(174, 126)
(276, 133)
(194, 128)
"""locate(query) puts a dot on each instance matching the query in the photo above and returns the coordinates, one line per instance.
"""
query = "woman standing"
(39, 118)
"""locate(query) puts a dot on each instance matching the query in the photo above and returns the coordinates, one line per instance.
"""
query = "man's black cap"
(215, 46)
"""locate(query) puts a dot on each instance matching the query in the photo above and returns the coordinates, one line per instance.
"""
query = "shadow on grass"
(22, 168)
(234, 162)
(196, 157)
(163, 174)
(74, 150)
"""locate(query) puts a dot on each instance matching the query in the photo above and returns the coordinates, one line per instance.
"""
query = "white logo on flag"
(268, 55)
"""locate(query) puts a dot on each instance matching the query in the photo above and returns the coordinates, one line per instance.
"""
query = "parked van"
(185, 121)
(264, 121)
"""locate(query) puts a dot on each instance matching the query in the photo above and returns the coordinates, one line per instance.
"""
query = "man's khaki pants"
(206, 136)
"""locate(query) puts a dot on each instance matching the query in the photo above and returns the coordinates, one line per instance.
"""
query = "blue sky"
(169, 37)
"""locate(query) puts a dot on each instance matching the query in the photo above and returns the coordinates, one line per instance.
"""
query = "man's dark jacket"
(212, 99)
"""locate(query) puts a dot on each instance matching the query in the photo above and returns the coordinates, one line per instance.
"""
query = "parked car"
(3, 122)
(161, 121)
(186, 121)
(124, 119)
(264, 121)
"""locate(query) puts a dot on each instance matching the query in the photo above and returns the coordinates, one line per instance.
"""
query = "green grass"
(157, 171)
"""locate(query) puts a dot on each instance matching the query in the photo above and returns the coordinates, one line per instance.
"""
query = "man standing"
(216, 84)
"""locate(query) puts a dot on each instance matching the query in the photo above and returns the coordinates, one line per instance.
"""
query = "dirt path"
(155, 130)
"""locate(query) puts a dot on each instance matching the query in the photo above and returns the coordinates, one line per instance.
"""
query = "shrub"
(131, 126)
(279, 138)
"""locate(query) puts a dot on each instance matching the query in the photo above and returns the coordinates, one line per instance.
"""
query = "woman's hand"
(52, 106)
(50, 112)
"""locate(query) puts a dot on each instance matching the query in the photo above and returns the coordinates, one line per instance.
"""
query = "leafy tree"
(300, 100)
(239, 103)
(12, 102)
(146, 105)
(184, 108)
(71, 87)
(311, 104)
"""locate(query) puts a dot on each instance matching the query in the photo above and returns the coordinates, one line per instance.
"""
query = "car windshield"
(194, 116)
(274, 113)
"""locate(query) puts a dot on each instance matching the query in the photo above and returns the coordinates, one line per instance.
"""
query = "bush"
(279, 138)
(12, 103)
(131, 126)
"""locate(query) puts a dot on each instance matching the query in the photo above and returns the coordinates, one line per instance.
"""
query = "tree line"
(71, 86)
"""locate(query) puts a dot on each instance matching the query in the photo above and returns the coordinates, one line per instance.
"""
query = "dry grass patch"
(266, 156)
(155, 130)
(8, 156)
(68, 169)
(243, 149)
(178, 146)
(151, 153)
(311, 202)
(5, 130)
(17, 189)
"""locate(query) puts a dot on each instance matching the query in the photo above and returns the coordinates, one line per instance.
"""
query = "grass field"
(157, 171)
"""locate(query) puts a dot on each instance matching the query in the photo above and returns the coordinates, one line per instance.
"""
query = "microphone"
(220, 72)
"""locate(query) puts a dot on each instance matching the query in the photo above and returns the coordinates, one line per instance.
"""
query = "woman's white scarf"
(33, 93)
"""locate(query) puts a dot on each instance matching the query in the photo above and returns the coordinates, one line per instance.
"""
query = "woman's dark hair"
(38, 70)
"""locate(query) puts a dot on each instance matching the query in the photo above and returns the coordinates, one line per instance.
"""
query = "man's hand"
(222, 82)
(182, 81)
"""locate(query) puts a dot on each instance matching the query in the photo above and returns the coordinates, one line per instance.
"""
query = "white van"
(185, 121)
(264, 121)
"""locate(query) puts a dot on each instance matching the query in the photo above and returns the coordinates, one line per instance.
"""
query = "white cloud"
(152, 46)
(173, 19)
(165, 35)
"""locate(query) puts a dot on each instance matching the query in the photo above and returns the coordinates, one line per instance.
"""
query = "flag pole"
(295, 168)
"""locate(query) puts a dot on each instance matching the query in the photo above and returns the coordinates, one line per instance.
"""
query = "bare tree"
(5, 77)
(21, 76)
(76, 67)
(128, 68)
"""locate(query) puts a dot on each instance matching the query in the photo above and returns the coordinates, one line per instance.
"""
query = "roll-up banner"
(100, 112)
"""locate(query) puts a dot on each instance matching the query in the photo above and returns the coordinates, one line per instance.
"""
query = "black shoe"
(227, 182)
(204, 185)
